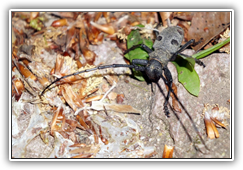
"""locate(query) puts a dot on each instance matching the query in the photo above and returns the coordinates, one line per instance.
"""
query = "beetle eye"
(159, 38)
(174, 42)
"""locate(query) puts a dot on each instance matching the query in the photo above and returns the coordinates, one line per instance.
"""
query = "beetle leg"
(146, 48)
(191, 42)
(143, 46)
(199, 62)
(168, 81)
(188, 43)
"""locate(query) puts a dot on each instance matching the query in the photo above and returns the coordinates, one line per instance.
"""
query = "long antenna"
(139, 68)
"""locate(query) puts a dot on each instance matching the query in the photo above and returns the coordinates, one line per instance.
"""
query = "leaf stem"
(208, 51)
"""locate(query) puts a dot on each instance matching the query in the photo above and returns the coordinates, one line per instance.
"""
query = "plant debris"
(215, 116)
(168, 152)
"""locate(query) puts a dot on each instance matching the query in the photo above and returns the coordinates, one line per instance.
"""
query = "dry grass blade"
(54, 127)
(97, 105)
(121, 108)
(78, 145)
(93, 98)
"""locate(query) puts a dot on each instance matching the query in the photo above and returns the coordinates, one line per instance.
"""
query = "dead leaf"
(207, 25)
(187, 16)
(34, 15)
(70, 37)
(165, 16)
(212, 131)
(84, 44)
(71, 97)
(168, 152)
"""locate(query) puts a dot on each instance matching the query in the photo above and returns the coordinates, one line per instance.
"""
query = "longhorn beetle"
(166, 48)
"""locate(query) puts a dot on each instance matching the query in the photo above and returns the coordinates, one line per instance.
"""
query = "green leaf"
(133, 39)
(187, 76)
(190, 60)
